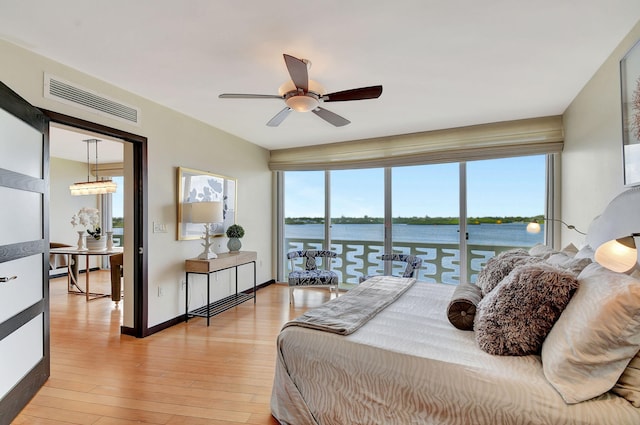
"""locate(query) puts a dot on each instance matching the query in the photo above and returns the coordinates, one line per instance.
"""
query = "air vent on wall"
(72, 94)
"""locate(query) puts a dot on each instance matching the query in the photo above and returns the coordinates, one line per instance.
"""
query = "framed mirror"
(202, 186)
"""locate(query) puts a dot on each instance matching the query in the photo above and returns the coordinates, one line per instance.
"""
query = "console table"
(224, 261)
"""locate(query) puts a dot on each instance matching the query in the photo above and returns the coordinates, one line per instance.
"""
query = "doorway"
(135, 318)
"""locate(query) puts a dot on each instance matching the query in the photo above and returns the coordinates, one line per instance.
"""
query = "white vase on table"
(81, 245)
(109, 241)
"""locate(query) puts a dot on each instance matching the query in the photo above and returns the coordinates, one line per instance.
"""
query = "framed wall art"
(630, 87)
(202, 186)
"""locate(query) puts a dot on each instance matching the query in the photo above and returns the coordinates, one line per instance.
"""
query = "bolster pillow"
(462, 307)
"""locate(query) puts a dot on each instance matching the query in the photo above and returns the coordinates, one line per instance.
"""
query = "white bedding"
(409, 365)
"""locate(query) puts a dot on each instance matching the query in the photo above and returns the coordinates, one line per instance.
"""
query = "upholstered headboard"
(620, 218)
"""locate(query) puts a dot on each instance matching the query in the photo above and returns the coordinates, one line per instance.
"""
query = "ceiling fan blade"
(330, 117)
(280, 116)
(361, 93)
(249, 96)
(298, 72)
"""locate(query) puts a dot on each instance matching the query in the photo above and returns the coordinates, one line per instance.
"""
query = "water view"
(507, 234)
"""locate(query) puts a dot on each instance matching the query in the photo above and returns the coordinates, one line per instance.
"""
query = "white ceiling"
(69, 143)
(442, 63)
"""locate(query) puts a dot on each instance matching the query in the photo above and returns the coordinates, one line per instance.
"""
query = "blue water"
(509, 234)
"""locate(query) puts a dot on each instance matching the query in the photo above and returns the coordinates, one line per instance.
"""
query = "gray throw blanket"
(347, 313)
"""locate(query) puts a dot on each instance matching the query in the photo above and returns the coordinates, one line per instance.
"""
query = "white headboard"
(620, 218)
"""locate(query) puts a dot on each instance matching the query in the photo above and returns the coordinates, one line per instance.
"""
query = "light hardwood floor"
(189, 374)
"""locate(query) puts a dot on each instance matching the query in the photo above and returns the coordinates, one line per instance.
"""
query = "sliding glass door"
(425, 207)
(502, 196)
(455, 216)
(304, 212)
(357, 221)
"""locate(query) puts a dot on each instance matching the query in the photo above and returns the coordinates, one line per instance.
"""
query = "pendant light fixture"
(97, 187)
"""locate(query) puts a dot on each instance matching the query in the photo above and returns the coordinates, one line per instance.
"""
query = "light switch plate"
(159, 227)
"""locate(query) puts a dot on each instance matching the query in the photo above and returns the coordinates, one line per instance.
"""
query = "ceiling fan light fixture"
(302, 103)
(301, 94)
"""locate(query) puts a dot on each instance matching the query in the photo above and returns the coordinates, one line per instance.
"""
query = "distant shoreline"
(413, 220)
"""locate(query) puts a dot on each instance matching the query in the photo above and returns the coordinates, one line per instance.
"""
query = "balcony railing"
(440, 262)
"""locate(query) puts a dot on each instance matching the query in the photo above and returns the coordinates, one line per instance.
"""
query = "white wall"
(592, 158)
(173, 140)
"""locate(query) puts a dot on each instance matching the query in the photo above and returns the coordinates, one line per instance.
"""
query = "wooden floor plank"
(189, 374)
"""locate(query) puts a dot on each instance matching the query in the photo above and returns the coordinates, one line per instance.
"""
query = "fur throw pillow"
(500, 266)
(515, 318)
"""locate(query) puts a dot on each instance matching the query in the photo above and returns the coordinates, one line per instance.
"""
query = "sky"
(497, 187)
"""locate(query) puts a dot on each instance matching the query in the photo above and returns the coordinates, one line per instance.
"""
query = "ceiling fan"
(303, 95)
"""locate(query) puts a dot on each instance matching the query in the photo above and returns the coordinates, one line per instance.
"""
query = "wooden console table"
(224, 261)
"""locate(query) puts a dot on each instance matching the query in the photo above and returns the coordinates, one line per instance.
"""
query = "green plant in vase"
(234, 233)
(89, 220)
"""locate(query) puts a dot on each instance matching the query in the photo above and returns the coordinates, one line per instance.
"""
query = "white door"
(24, 251)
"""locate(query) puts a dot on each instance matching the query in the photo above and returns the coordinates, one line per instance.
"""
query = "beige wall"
(173, 140)
(592, 158)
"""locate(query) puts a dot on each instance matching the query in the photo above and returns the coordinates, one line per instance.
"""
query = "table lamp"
(619, 255)
(210, 214)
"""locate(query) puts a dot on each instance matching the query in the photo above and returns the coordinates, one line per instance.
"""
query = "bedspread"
(409, 365)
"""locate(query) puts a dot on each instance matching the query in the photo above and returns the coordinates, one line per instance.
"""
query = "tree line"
(415, 220)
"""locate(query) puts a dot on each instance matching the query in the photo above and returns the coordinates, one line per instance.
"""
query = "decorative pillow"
(585, 252)
(628, 386)
(595, 337)
(541, 250)
(570, 250)
(575, 265)
(500, 266)
(463, 304)
(517, 315)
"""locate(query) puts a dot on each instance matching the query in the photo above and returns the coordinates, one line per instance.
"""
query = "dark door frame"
(140, 327)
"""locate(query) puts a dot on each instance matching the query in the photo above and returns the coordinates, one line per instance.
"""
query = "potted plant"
(234, 233)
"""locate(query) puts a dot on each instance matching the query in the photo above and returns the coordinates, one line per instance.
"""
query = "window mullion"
(463, 222)
(327, 209)
(388, 218)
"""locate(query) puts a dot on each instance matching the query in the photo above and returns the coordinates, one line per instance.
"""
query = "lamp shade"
(619, 255)
(203, 212)
(533, 227)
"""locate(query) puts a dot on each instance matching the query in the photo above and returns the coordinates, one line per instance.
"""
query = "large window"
(454, 216)
(357, 220)
(502, 196)
(425, 206)
(304, 210)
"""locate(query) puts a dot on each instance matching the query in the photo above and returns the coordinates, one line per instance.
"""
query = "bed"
(407, 364)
